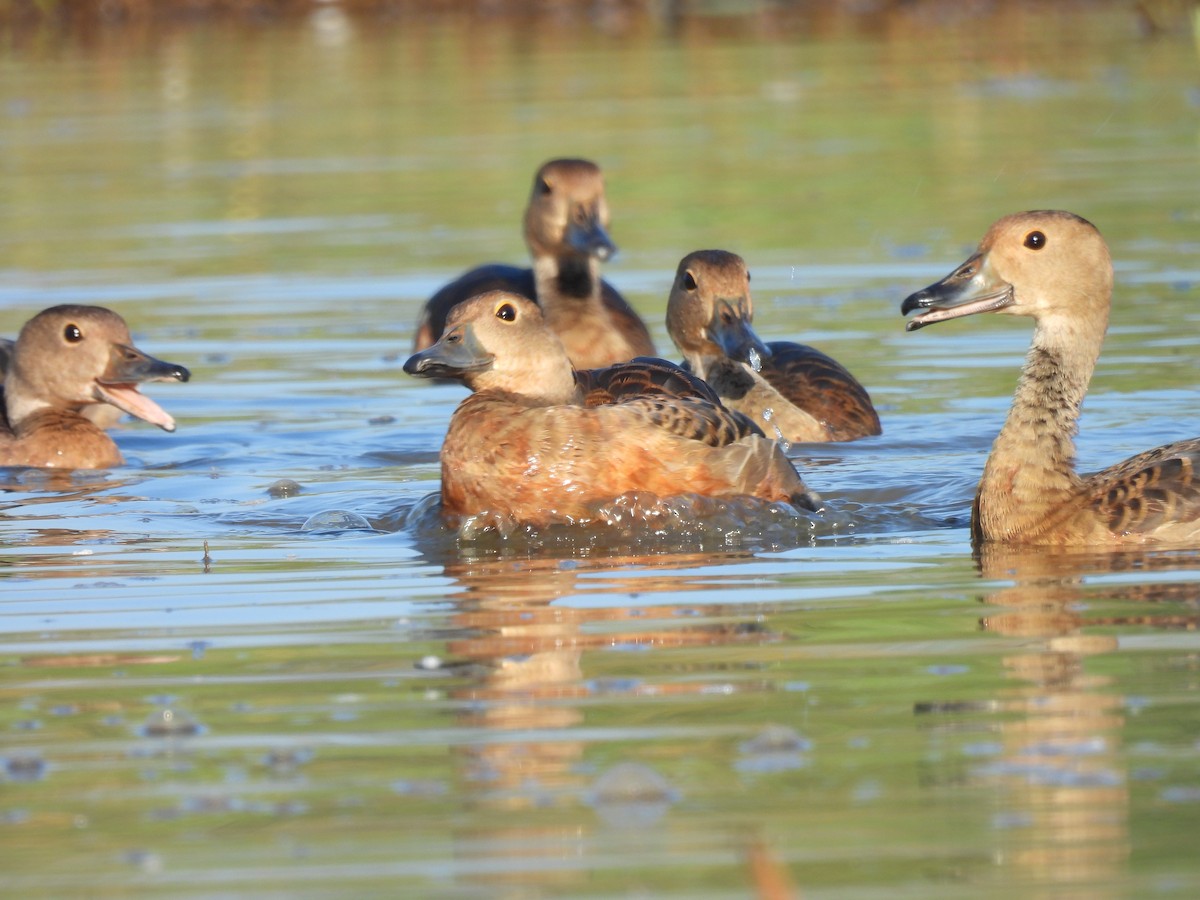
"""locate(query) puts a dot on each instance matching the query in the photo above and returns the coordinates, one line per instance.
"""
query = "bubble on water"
(146, 860)
(631, 794)
(284, 487)
(170, 723)
(774, 739)
(286, 760)
(24, 767)
(420, 788)
(336, 520)
(777, 748)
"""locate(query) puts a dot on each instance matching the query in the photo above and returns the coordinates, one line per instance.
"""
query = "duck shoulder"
(669, 397)
(822, 387)
(58, 439)
(1150, 492)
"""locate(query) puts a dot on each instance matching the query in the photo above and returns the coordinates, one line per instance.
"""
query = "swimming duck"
(566, 229)
(526, 446)
(65, 359)
(796, 389)
(1054, 267)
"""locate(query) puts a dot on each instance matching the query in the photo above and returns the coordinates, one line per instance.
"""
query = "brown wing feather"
(661, 389)
(1150, 490)
(822, 387)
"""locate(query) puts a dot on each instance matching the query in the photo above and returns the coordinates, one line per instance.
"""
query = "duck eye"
(72, 334)
(689, 283)
(1035, 240)
(506, 311)
(543, 186)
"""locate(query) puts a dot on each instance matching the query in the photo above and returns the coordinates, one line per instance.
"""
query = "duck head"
(1047, 264)
(567, 211)
(710, 310)
(499, 341)
(71, 356)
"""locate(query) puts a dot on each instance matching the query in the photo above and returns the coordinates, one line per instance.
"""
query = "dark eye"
(689, 283)
(506, 311)
(1035, 240)
(726, 317)
(72, 334)
(543, 186)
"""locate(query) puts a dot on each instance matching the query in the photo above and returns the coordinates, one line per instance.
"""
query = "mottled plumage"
(566, 225)
(527, 445)
(67, 359)
(792, 388)
(1055, 267)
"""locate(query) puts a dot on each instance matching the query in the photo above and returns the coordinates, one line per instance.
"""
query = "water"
(251, 662)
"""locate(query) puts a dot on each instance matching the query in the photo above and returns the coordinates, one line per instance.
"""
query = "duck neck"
(571, 277)
(1031, 468)
(20, 403)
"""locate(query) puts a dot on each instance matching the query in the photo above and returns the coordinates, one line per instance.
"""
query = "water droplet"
(755, 359)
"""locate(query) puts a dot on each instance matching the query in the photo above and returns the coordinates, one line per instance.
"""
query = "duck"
(538, 442)
(1054, 267)
(792, 390)
(566, 230)
(65, 359)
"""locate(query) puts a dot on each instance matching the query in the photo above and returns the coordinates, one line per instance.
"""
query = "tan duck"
(526, 446)
(66, 359)
(101, 413)
(566, 229)
(1054, 267)
(796, 389)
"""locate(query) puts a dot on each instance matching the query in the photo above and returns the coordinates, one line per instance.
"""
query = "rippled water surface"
(251, 662)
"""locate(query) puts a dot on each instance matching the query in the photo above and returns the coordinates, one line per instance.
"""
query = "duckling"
(566, 230)
(1054, 267)
(525, 444)
(65, 359)
(796, 389)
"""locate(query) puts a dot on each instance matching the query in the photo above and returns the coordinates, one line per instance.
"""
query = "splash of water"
(755, 359)
(768, 415)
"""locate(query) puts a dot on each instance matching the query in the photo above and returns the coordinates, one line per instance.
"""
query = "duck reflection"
(530, 689)
(1063, 816)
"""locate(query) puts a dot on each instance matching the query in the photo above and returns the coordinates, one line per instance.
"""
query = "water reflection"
(1059, 761)
(529, 694)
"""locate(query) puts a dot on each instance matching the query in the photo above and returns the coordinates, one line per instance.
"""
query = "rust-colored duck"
(1054, 267)
(65, 359)
(566, 229)
(526, 444)
(794, 388)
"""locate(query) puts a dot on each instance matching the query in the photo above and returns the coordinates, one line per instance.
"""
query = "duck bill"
(128, 367)
(974, 287)
(457, 354)
(588, 236)
(735, 337)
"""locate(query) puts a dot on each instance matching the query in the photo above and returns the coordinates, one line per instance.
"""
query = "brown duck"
(796, 389)
(65, 359)
(1054, 267)
(566, 229)
(526, 445)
